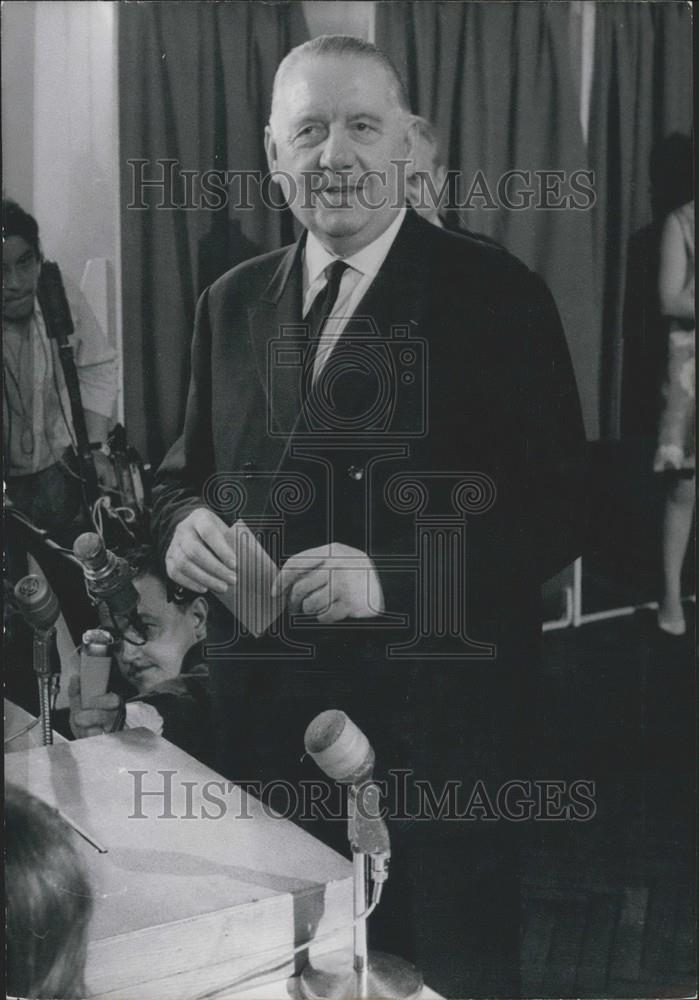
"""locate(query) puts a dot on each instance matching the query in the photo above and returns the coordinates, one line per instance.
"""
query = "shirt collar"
(367, 261)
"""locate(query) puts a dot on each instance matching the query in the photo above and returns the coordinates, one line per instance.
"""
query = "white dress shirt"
(363, 267)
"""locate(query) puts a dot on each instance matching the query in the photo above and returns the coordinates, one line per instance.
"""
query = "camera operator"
(165, 684)
(41, 476)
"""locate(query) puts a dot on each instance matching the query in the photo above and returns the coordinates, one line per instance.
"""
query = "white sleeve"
(142, 716)
(95, 358)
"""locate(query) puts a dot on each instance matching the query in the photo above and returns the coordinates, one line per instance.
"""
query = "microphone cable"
(261, 970)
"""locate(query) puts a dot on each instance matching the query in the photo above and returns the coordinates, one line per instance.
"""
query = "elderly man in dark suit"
(394, 405)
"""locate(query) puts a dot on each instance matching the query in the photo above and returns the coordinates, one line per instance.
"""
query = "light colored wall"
(60, 132)
(60, 123)
(76, 132)
(17, 21)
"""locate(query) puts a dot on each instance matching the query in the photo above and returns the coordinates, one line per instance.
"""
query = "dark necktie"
(323, 303)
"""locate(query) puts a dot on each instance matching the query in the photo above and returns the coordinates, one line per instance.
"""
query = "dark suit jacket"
(464, 378)
(443, 439)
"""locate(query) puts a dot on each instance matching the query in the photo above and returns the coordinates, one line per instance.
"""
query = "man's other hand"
(199, 557)
(100, 718)
(332, 582)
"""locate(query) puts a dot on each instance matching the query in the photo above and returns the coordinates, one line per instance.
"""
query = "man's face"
(336, 118)
(20, 277)
(171, 631)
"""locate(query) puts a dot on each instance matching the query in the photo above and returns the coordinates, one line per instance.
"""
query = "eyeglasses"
(126, 628)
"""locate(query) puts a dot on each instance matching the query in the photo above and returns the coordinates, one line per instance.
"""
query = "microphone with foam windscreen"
(95, 664)
(108, 577)
(40, 609)
(344, 753)
(339, 747)
(37, 603)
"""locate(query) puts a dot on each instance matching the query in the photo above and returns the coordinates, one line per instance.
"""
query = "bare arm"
(676, 290)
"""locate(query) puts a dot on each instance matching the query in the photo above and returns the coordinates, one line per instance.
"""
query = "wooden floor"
(609, 903)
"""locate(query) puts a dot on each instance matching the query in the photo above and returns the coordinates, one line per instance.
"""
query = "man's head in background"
(21, 261)
(430, 174)
(340, 134)
(174, 621)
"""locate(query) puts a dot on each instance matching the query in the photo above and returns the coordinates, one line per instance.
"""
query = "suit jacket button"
(355, 472)
(248, 469)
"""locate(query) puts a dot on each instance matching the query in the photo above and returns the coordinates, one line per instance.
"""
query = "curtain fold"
(195, 83)
(642, 92)
(497, 82)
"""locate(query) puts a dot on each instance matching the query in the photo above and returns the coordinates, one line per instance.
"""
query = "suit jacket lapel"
(396, 295)
(391, 308)
(274, 320)
(395, 299)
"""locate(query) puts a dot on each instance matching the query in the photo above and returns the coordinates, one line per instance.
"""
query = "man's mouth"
(338, 194)
(136, 671)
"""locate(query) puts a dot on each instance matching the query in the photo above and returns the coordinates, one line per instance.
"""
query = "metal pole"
(42, 668)
(361, 954)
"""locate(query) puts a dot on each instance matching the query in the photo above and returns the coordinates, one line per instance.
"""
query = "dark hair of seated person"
(48, 901)
(143, 561)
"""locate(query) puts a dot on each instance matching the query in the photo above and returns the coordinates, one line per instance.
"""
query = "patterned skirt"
(676, 434)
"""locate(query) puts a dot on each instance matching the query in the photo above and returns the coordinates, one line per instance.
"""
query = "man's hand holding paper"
(332, 582)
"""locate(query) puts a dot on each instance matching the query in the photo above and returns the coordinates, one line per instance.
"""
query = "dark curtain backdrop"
(195, 82)
(642, 92)
(498, 82)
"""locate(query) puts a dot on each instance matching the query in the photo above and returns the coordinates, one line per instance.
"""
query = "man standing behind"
(40, 472)
(440, 385)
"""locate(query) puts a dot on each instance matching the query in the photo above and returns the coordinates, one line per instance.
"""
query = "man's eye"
(308, 131)
(363, 127)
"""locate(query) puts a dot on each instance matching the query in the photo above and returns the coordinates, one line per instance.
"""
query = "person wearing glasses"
(164, 685)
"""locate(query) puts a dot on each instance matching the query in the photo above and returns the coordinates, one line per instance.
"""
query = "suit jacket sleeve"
(183, 473)
(555, 437)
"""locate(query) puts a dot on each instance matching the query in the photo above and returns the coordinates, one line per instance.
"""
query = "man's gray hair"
(427, 134)
(341, 45)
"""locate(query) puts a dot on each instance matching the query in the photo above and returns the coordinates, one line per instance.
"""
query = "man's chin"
(145, 681)
(340, 221)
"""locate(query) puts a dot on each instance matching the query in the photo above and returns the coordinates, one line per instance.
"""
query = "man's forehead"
(152, 596)
(14, 247)
(332, 84)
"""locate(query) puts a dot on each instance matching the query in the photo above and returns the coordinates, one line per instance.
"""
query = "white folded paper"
(250, 599)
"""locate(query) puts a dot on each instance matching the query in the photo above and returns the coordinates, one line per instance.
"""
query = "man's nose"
(11, 279)
(129, 652)
(337, 153)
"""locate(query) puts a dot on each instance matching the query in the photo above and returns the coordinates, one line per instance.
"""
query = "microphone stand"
(361, 947)
(39, 608)
(43, 641)
(364, 973)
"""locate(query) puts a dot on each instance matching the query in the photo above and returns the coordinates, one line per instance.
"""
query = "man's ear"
(270, 149)
(412, 137)
(199, 609)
